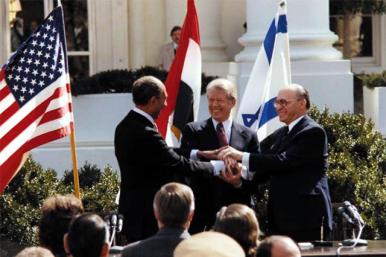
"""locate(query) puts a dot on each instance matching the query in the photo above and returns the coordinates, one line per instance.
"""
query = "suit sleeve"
(188, 140)
(164, 156)
(307, 148)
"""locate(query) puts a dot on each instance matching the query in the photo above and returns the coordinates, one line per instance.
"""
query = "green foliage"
(356, 156)
(373, 80)
(357, 6)
(88, 175)
(121, 81)
(21, 201)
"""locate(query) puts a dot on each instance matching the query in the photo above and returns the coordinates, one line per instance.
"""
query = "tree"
(351, 9)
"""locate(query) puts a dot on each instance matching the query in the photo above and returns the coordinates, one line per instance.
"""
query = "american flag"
(35, 96)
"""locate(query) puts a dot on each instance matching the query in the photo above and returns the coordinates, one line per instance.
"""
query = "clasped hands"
(232, 170)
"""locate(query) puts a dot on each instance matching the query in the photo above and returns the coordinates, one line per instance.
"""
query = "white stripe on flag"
(270, 73)
(191, 73)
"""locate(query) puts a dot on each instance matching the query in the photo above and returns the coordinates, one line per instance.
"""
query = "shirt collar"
(144, 114)
(227, 126)
(293, 123)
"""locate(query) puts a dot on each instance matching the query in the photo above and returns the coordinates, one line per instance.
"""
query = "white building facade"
(126, 34)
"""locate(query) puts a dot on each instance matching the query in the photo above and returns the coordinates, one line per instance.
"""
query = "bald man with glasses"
(294, 160)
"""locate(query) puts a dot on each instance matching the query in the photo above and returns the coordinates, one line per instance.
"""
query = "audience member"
(57, 213)
(87, 236)
(35, 252)
(294, 160)
(239, 222)
(209, 244)
(217, 131)
(278, 246)
(168, 51)
(173, 207)
(145, 160)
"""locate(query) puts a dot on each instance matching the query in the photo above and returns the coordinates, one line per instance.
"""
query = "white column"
(136, 34)
(315, 64)
(209, 15)
(4, 32)
(308, 27)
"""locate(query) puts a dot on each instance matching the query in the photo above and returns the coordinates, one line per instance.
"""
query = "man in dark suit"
(145, 160)
(294, 158)
(219, 130)
(173, 209)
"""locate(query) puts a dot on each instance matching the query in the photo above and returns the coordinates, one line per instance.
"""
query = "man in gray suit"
(168, 51)
(173, 208)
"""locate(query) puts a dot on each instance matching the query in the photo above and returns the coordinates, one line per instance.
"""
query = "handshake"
(231, 170)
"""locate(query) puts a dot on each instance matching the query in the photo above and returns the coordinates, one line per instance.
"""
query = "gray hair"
(223, 84)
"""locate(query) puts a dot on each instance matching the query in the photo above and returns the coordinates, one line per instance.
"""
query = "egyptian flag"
(183, 83)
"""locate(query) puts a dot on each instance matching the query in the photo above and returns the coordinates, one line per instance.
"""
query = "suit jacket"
(211, 193)
(146, 163)
(166, 56)
(296, 165)
(161, 244)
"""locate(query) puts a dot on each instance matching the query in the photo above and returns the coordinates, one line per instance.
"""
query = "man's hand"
(232, 174)
(231, 152)
(210, 154)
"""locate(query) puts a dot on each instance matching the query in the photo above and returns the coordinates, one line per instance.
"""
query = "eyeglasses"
(283, 102)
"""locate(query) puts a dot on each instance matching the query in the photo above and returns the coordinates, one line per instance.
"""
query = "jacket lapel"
(287, 140)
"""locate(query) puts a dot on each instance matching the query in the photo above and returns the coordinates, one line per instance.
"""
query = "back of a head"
(57, 213)
(209, 244)
(173, 204)
(35, 252)
(239, 222)
(87, 235)
(145, 88)
(278, 246)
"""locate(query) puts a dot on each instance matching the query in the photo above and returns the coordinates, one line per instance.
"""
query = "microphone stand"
(351, 243)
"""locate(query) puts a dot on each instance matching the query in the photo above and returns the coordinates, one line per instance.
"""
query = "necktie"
(221, 136)
(283, 136)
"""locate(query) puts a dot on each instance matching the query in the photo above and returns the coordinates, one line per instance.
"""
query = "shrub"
(121, 81)
(373, 80)
(357, 155)
(22, 199)
(356, 159)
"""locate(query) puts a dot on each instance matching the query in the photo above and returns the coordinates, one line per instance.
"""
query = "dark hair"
(57, 210)
(174, 29)
(145, 88)
(86, 236)
(239, 222)
(173, 204)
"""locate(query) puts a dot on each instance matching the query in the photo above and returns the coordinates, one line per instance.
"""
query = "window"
(77, 35)
(26, 15)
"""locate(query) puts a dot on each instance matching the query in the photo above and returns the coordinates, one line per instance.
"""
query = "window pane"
(359, 32)
(25, 16)
(76, 22)
(79, 67)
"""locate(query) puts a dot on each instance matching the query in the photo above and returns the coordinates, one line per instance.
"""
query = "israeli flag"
(270, 73)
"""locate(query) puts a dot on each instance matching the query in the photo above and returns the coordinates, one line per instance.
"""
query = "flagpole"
(75, 172)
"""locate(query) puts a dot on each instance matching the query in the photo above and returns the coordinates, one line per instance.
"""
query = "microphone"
(341, 211)
(353, 212)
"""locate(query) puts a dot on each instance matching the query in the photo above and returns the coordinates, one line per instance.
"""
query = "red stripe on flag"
(30, 118)
(8, 169)
(4, 92)
(11, 110)
(48, 137)
(2, 74)
(190, 30)
(54, 114)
